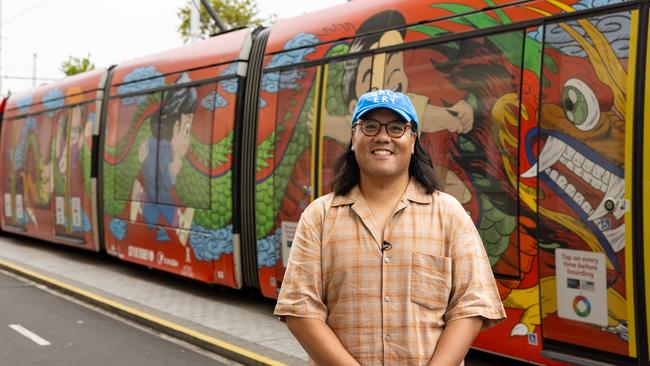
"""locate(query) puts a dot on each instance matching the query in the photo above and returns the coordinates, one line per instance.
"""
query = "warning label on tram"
(288, 232)
(581, 286)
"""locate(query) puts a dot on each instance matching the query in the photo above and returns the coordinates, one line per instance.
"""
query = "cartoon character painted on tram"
(161, 156)
(387, 71)
(486, 77)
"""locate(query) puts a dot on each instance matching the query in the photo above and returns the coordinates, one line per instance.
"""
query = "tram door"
(584, 187)
(296, 147)
(70, 220)
(14, 212)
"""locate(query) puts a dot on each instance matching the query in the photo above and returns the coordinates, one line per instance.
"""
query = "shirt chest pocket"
(430, 280)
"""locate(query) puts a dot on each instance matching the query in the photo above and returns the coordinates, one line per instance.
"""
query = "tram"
(199, 160)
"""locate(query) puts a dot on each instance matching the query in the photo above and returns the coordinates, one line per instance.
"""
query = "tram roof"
(341, 23)
(71, 90)
(220, 49)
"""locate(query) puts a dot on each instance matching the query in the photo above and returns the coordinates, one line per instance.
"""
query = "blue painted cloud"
(53, 99)
(614, 27)
(118, 228)
(210, 244)
(229, 85)
(161, 235)
(272, 82)
(213, 101)
(268, 249)
(24, 102)
(230, 70)
(588, 4)
(141, 78)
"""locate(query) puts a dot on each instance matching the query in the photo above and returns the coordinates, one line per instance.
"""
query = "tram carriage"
(199, 160)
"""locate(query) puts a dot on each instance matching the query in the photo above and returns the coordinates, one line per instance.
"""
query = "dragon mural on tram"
(492, 92)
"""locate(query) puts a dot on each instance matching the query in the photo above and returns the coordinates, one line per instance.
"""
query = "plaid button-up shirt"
(389, 307)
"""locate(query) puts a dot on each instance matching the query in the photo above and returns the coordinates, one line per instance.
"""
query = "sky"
(109, 31)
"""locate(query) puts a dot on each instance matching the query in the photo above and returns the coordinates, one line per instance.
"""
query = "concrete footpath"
(235, 324)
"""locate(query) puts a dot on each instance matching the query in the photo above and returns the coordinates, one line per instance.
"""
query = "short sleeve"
(474, 290)
(301, 290)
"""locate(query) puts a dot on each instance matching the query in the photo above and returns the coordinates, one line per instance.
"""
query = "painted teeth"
(553, 150)
(616, 237)
(570, 190)
(615, 190)
(598, 177)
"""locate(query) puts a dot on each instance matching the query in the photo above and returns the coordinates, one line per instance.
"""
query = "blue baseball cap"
(395, 101)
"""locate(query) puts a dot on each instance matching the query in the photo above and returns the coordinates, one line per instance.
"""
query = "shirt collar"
(414, 192)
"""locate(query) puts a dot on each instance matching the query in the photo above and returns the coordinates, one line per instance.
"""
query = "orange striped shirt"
(389, 307)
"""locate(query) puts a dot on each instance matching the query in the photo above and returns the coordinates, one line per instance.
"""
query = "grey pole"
(34, 71)
(214, 15)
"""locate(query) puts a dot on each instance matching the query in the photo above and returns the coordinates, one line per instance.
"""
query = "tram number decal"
(19, 207)
(59, 208)
(8, 212)
(75, 202)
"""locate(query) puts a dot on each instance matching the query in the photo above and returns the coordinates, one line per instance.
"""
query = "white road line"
(27, 333)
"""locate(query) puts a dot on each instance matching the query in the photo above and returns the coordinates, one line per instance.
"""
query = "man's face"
(181, 137)
(382, 156)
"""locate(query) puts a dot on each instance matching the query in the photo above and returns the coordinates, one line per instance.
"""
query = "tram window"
(12, 179)
(466, 93)
(184, 146)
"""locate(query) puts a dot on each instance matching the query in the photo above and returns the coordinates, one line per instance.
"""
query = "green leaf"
(550, 65)
(454, 8)
(76, 65)
(429, 30)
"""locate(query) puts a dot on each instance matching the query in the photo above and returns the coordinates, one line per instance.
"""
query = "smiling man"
(387, 270)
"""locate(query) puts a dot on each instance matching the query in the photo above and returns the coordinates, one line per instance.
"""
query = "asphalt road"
(40, 328)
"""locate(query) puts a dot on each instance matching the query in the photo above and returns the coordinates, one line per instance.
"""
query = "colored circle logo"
(581, 306)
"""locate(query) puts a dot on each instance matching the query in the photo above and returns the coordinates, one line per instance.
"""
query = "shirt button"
(386, 259)
(387, 298)
(387, 338)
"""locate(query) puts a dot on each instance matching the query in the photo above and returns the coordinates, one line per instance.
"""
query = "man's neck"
(375, 189)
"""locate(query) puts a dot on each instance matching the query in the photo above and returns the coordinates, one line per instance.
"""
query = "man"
(386, 270)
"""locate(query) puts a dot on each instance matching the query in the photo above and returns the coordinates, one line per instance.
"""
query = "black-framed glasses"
(371, 127)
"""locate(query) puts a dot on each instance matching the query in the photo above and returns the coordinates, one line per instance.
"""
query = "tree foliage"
(76, 65)
(233, 13)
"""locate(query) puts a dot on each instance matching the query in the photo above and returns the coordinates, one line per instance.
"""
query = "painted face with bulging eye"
(580, 104)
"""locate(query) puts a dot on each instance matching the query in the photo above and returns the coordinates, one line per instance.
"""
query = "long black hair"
(347, 171)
